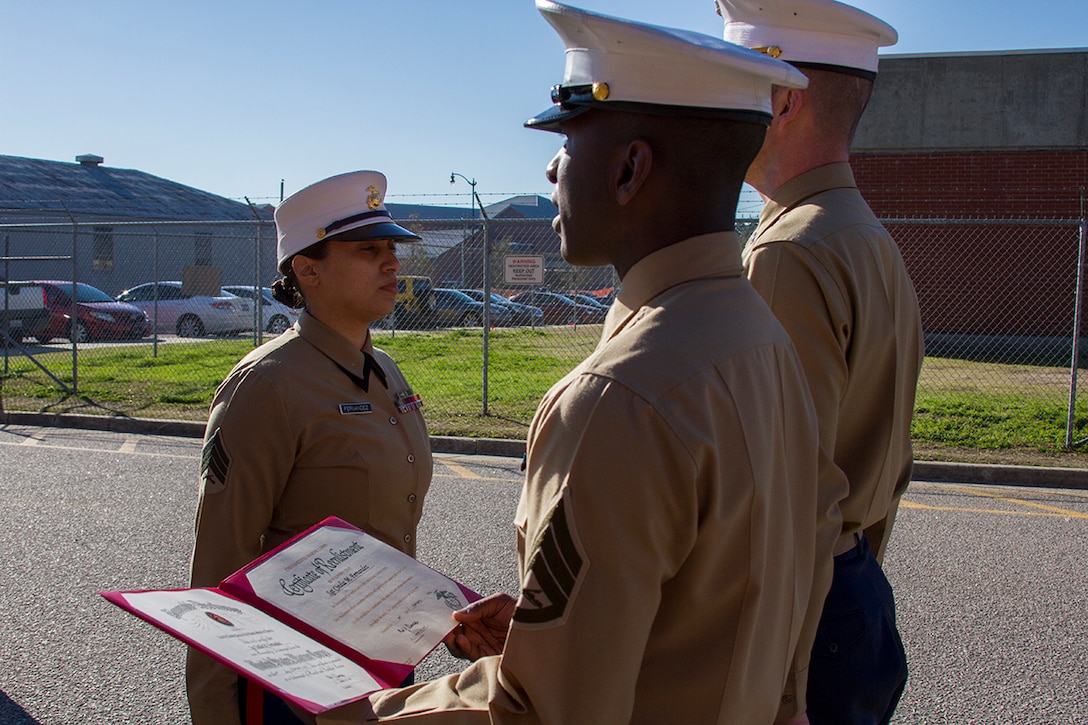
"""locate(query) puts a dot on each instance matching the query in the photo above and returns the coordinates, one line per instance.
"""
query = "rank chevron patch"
(553, 574)
(214, 464)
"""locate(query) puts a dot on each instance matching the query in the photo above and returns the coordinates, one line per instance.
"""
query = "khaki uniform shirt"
(666, 527)
(292, 438)
(836, 280)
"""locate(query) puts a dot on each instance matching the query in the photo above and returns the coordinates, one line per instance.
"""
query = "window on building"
(102, 248)
(203, 246)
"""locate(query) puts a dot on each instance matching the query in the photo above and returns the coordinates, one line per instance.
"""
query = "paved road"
(990, 581)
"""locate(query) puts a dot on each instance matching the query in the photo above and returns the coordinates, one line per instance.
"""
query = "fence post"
(73, 322)
(155, 292)
(1077, 311)
(7, 313)
(258, 283)
(73, 318)
(7, 316)
(487, 301)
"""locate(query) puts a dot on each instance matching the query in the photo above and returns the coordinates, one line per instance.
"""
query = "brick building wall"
(1003, 184)
(984, 270)
(989, 148)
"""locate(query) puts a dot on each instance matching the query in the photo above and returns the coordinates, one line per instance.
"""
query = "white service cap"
(346, 208)
(809, 33)
(620, 64)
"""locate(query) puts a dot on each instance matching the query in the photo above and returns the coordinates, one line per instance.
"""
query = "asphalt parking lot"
(990, 580)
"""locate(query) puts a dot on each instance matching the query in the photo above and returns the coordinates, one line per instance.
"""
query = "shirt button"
(407, 538)
(411, 498)
(411, 458)
(392, 420)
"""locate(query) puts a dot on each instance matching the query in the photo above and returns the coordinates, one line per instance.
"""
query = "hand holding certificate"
(329, 617)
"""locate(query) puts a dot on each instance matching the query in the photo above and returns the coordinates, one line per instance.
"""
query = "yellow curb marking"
(1035, 514)
(459, 469)
(34, 439)
(1021, 502)
(1055, 511)
(83, 449)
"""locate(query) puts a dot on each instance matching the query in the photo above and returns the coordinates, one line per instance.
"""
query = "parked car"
(605, 296)
(190, 315)
(453, 308)
(560, 310)
(275, 315)
(519, 314)
(22, 310)
(587, 300)
(98, 316)
(414, 304)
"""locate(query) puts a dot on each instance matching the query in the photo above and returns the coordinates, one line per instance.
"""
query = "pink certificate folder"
(325, 619)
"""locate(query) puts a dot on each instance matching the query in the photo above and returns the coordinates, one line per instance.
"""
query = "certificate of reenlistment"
(326, 618)
(359, 591)
(260, 647)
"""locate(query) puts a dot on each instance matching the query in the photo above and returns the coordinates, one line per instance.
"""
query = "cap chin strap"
(845, 70)
(340, 223)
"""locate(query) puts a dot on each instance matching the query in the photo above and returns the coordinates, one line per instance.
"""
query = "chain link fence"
(999, 299)
(198, 285)
(1001, 304)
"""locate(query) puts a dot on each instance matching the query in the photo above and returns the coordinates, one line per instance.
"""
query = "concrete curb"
(195, 429)
(478, 446)
(151, 426)
(1040, 476)
(1045, 477)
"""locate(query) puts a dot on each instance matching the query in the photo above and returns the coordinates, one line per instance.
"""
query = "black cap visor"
(572, 101)
(380, 230)
(553, 116)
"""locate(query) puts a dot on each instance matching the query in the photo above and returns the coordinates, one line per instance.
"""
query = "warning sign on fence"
(523, 269)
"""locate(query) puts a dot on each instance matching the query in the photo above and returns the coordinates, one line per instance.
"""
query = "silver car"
(190, 315)
(275, 316)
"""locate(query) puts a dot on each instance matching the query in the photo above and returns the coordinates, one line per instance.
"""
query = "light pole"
(487, 276)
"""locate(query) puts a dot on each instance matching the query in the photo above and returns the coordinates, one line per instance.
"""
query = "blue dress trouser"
(858, 668)
(273, 710)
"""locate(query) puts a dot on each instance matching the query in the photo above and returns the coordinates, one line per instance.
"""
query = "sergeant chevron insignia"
(214, 464)
(554, 572)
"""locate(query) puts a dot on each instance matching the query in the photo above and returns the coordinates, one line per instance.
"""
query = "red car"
(98, 316)
(561, 310)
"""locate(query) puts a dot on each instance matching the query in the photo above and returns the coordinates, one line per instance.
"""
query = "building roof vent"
(89, 160)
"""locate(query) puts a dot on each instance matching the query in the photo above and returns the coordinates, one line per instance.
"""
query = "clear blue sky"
(233, 96)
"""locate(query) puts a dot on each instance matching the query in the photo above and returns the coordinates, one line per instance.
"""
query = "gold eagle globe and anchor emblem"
(374, 200)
